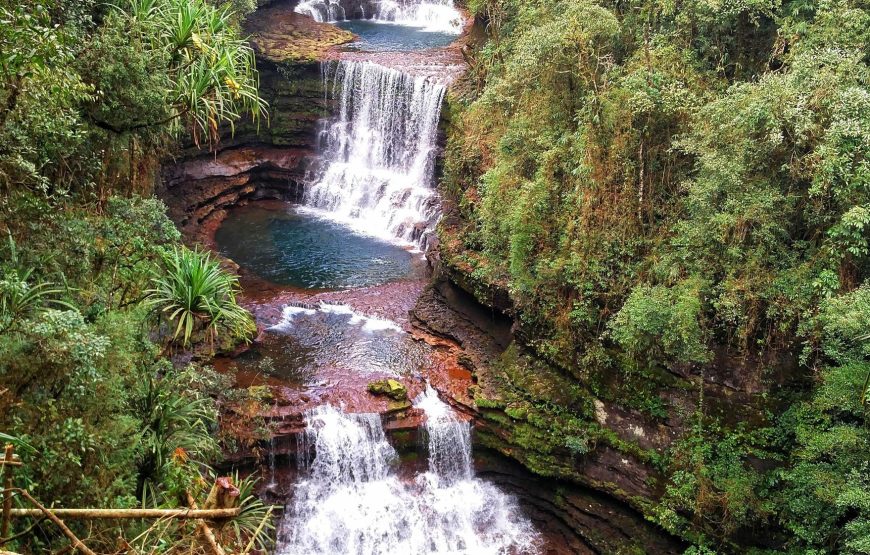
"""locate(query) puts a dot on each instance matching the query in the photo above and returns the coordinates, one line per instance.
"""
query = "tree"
(205, 72)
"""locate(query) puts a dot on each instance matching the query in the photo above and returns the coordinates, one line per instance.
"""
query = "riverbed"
(367, 455)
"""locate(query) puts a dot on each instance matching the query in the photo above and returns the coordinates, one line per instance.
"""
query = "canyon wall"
(574, 430)
(594, 492)
(264, 159)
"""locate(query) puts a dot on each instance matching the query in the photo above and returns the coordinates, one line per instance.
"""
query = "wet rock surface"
(592, 501)
(575, 519)
(267, 159)
(278, 34)
(460, 343)
(340, 376)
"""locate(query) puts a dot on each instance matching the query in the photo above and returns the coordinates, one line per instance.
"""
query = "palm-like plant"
(252, 529)
(19, 299)
(16, 441)
(213, 71)
(254, 523)
(172, 421)
(193, 293)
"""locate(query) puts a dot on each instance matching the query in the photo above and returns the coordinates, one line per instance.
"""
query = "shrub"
(658, 320)
(195, 295)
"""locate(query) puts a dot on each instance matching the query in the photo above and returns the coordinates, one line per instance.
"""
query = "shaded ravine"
(307, 161)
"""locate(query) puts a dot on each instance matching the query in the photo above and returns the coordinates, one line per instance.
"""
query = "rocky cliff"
(574, 431)
(584, 467)
(265, 159)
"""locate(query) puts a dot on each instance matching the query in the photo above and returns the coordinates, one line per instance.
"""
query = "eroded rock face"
(198, 190)
(552, 422)
(257, 161)
(573, 518)
(589, 491)
(267, 159)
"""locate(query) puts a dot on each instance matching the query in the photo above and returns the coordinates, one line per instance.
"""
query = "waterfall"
(272, 482)
(378, 155)
(449, 438)
(432, 15)
(353, 501)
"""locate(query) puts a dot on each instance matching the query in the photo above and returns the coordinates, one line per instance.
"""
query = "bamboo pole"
(76, 543)
(203, 530)
(258, 530)
(208, 514)
(8, 470)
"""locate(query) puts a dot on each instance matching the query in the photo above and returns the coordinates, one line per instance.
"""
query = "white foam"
(288, 314)
(366, 228)
(368, 323)
(438, 16)
(353, 502)
(376, 168)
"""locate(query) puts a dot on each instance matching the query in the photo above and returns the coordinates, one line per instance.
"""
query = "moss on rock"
(280, 35)
(389, 387)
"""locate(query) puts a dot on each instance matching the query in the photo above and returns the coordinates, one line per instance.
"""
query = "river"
(347, 263)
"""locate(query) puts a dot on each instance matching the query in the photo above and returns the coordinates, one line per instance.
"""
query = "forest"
(648, 189)
(98, 293)
(685, 184)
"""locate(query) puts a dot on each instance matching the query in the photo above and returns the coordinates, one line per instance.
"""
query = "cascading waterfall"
(375, 172)
(431, 15)
(353, 501)
(449, 438)
(378, 154)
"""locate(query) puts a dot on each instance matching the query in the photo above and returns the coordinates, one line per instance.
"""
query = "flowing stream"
(431, 15)
(374, 175)
(353, 501)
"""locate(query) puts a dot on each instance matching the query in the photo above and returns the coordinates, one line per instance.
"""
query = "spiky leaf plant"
(213, 74)
(193, 293)
(19, 299)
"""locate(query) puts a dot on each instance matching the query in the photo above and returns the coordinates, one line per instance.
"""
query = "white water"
(449, 438)
(353, 502)
(378, 154)
(433, 15)
(368, 323)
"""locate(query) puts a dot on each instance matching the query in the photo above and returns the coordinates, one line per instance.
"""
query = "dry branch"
(76, 543)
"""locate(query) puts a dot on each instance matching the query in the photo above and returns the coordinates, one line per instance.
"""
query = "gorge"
(435, 276)
(368, 165)
(366, 203)
(362, 179)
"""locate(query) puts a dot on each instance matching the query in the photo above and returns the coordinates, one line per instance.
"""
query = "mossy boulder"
(389, 387)
(278, 34)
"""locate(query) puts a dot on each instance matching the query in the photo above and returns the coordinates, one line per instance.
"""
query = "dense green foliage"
(674, 196)
(684, 188)
(92, 94)
(195, 295)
